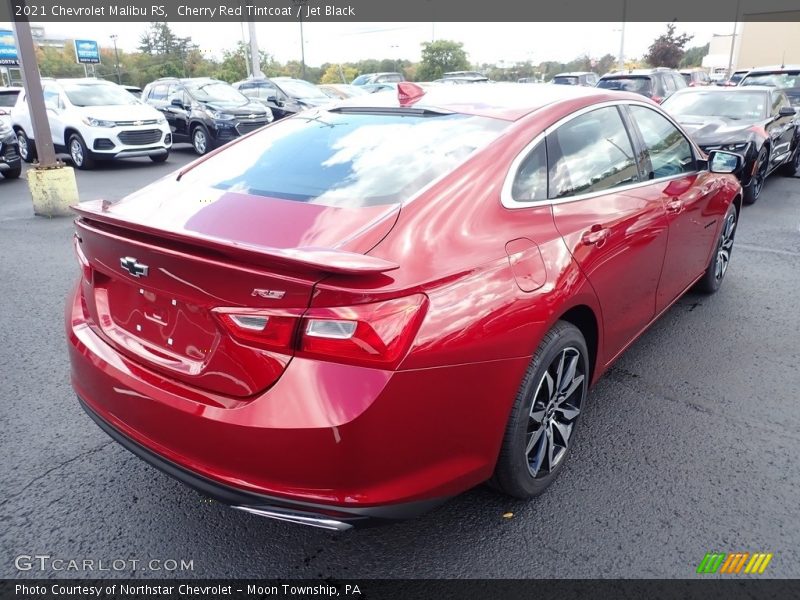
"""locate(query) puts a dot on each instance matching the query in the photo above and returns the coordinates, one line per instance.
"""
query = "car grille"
(136, 123)
(248, 126)
(140, 138)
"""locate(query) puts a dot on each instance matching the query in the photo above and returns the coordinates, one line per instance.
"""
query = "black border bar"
(43, 11)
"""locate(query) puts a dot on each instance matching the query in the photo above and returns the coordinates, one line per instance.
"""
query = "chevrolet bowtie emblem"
(132, 266)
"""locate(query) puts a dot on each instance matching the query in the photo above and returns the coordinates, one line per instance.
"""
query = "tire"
(792, 168)
(535, 448)
(27, 147)
(720, 260)
(12, 173)
(159, 158)
(79, 153)
(753, 190)
(201, 142)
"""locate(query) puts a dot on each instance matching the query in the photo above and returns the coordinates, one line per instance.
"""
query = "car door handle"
(675, 205)
(596, 236)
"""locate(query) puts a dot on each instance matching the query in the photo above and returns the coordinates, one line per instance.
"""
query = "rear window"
(785, 79)
(346, 159)
(639, 85)
(8, 99)
(565, 80)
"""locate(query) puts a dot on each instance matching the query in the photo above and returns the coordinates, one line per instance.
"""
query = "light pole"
(622, 36)
(114, 37)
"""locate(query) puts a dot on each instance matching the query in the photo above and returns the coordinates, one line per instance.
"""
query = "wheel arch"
(584, 318)
(68, 133)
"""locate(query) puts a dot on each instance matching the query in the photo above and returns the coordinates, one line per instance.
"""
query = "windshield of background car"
(739, 106)
(360, 80)
(346, 159)
(737, 77)
(93, 94)
(786, 79)
(8, 99)
(216, 91)
(301, 89)
(639, 85)
(565, 80)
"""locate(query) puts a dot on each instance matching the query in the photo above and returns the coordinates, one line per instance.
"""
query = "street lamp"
(114, 37)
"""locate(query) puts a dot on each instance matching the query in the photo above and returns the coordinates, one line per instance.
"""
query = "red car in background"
(369, 307)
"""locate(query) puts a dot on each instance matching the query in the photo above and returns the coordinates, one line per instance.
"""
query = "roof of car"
(635, 73)
(716, 89)
(507, 101)
(10, 89)
(773, 69)
(573, 74)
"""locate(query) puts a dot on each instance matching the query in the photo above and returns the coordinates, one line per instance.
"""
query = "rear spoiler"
(323, 260)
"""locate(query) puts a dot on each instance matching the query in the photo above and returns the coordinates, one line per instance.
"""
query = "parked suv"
(10, 164)
(378, 78)
(8, 98)
(783, 77)
(205, 112)
(586, 78)
(284, 96)
(657, 84)
(92, 119)
(695, 77)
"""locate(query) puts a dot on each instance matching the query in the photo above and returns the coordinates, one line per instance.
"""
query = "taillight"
(367, 334)
(375, 334)
(657, 99)
(267, 329)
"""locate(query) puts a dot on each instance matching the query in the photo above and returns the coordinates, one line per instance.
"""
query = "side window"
(590, 153)
(159, 92)
(669, 84)
(778, 102)
(679, 81)
(51, 97)
(669, 151)
(530, 182)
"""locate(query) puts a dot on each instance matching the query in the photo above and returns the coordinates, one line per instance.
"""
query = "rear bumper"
(304, 513)
(352, 443)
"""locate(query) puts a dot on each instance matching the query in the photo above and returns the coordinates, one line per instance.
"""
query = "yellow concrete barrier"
(53, 190)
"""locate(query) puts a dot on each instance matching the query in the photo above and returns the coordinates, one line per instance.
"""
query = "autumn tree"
(667, 49)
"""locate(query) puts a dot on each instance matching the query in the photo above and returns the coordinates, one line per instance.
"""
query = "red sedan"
(370, 307)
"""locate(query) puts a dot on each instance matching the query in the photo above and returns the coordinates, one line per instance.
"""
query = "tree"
(440, 57)
(667, 49)
(605, 64)
(694, 56)
(333, 74)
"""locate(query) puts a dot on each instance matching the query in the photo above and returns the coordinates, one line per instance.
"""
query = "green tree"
(334, 73)
(440, 57)
(667, 49)
(693, 57)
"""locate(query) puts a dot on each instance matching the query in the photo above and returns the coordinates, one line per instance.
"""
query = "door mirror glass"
(177, 102)
(787, 111)
(724, 162)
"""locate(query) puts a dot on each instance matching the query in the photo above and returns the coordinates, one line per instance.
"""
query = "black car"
(205, 112)
(757, 122)
(784, 77)
(10, 163)
(584, 78)
(657, 84)
(284, 96)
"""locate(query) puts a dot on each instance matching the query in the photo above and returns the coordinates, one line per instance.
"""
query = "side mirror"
(724, 162)
(272, 98)
(787, 111)
(177, 103)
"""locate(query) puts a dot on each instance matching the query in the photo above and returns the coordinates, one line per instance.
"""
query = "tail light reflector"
(657, 99)
(267, 329)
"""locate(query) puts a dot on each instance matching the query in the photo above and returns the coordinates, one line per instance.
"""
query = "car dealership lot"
(689, 444)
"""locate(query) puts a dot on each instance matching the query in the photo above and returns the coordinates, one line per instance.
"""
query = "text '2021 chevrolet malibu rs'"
(364, 309)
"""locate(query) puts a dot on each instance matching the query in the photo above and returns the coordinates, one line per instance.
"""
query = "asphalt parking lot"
(689, 445)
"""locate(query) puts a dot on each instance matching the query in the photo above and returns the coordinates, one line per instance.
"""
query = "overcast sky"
(344, 42)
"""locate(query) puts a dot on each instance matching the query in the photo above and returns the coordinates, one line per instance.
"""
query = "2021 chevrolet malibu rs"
(364, 309)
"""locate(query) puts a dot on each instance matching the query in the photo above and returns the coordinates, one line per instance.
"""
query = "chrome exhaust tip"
(293, 517)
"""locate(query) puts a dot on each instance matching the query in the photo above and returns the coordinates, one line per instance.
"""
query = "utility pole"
(302, 51)
(622, 36)
(34, 95)
(255, 55)
(114, 37)
(733, 39)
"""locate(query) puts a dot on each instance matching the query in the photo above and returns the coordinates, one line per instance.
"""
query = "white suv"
(92, 119)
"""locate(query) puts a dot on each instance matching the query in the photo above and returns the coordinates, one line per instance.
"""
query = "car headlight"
(161, 121)
(5, 130)
(92, 122)
(735, 147)
(220, 116)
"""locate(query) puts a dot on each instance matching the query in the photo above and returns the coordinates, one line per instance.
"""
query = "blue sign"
(8, 49)
(87, 51)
